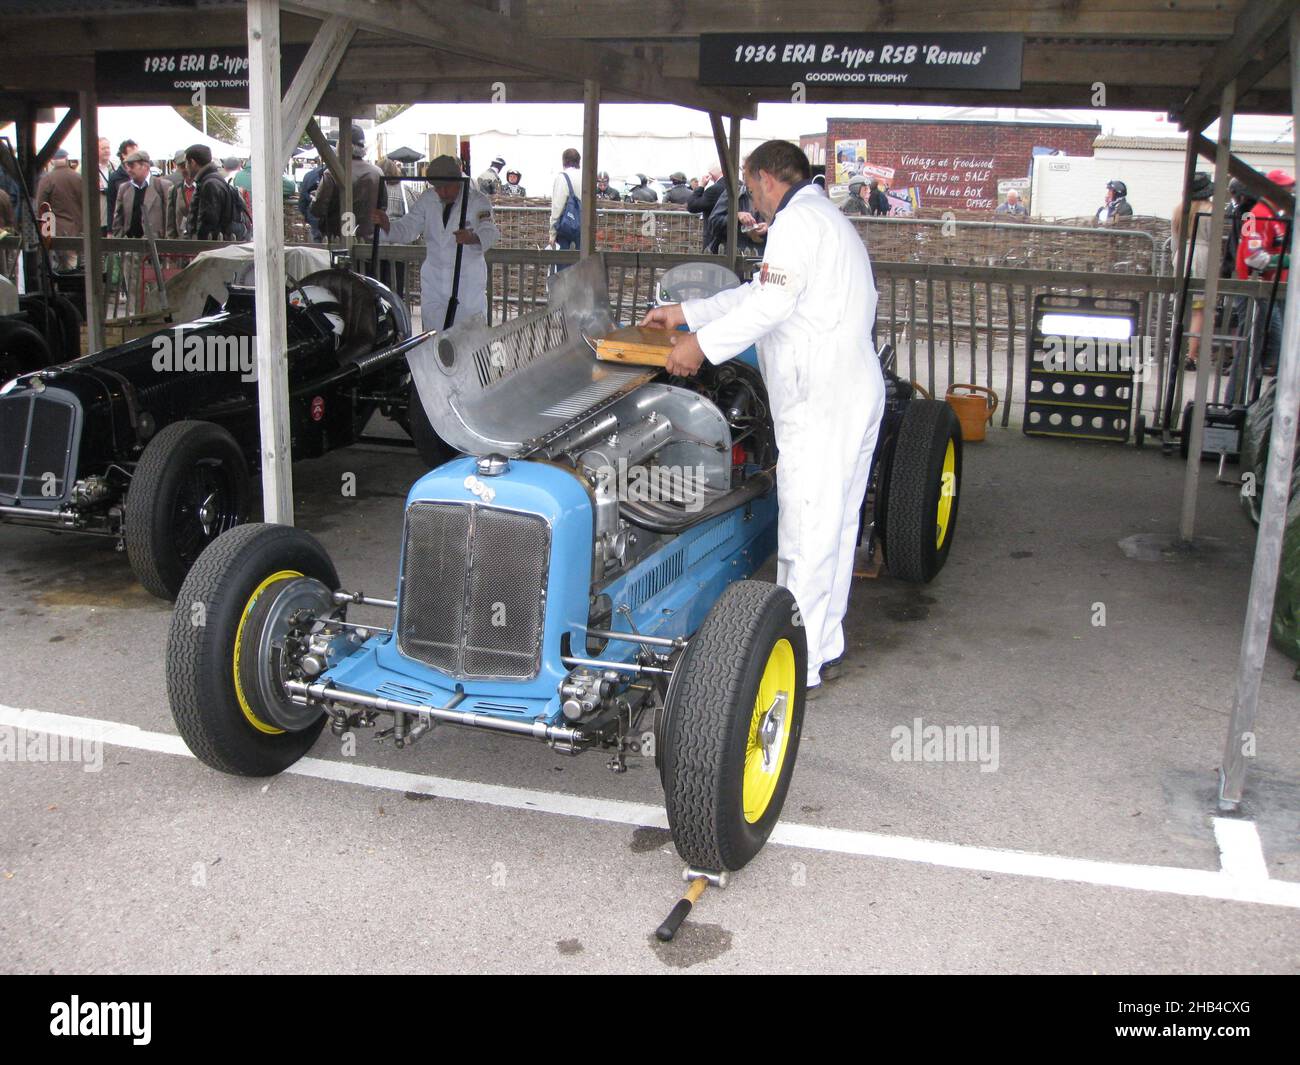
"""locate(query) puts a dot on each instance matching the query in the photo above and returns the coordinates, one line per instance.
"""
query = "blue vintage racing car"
(582, 575)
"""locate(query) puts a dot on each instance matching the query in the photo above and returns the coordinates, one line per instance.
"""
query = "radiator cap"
(493, 465)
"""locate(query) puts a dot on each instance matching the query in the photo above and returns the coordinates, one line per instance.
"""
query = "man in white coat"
(810, 310)
(435, 216)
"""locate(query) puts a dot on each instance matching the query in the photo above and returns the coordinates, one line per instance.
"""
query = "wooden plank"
(504, 44)
(272, 339)
(639, 345)
(311, 79)
(1188, 19)
(90, 236)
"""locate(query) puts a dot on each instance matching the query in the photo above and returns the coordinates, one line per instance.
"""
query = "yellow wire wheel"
(240, 695)
(217, 644)
(947, 494)
(731, 724)
(919, 491)
(769, 731)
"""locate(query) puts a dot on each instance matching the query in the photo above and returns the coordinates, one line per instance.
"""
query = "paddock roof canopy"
(1144, 54)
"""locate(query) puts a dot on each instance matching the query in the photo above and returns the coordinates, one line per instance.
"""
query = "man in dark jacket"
(641, 192)
(367, 181)
(306, 192)
(212, 205)
(680, 192)
(603, 189)
(1116, 206)
(704, 199)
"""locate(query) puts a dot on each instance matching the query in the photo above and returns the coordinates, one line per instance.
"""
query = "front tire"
(432, 449)
(190, 486)
(211, 680)
(924, 490)
(732, 724)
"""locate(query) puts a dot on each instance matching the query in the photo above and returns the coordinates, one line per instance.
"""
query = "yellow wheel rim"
(947, 493)
(764, 760)
(253, 719)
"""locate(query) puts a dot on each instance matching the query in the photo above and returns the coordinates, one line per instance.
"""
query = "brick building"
(946, 164)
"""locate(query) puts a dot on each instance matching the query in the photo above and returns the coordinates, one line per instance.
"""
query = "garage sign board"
(879, 60)
(174, 73)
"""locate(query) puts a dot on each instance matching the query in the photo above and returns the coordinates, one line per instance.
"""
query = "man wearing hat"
(679, 191)
(180, 199)
(60, 187)
(436, 216)
(141, 208)
(367, 181)
(489, 182)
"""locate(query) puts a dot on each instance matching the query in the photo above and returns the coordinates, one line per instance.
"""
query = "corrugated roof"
(1179, 144)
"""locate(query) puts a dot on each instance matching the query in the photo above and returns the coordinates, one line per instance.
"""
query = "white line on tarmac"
(1240, 852)
(1243, 878)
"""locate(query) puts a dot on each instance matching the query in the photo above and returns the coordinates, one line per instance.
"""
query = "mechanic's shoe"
(833, 668)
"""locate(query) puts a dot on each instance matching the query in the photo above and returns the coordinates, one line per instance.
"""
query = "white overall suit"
(810, 310)
(424, 219)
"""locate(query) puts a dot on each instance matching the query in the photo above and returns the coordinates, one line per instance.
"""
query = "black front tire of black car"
(707, 724)
(190, 485)
(221, 594)
(912, 545)
(430, 446)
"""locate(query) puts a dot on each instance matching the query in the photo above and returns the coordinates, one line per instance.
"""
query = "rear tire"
(742, 674)
(227, 728)
(190, 486)
(924, 491)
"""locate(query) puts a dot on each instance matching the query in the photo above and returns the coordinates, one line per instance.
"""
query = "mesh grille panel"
(506, 586)
(473, 588)
(433, 584)
(35, 446)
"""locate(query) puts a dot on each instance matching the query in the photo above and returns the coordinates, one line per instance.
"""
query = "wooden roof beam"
(502, 42)
(1259, 33)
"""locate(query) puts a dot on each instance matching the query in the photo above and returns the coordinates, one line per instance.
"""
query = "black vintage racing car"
(155, 441)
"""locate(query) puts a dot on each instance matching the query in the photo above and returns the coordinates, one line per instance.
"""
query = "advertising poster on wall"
(850, 157)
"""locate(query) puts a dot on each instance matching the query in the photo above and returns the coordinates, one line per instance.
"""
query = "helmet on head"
(1117, 187)
(856, 183)
(602, 176)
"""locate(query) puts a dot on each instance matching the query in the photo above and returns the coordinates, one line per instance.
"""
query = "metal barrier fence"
(949, 324)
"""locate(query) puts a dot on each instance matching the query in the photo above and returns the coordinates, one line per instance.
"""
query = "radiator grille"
(473, 589)
(37, 433)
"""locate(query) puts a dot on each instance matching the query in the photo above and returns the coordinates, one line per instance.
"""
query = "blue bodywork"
(669, 592)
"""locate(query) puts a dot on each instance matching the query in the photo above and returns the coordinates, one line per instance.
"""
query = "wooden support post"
(268, 257)
(328, 154)
(1205, 363)
(590, 154)
(88, 105)
(56, 138)
(1272, 519)
(312, 77)
(345, 186)
(733, 217)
